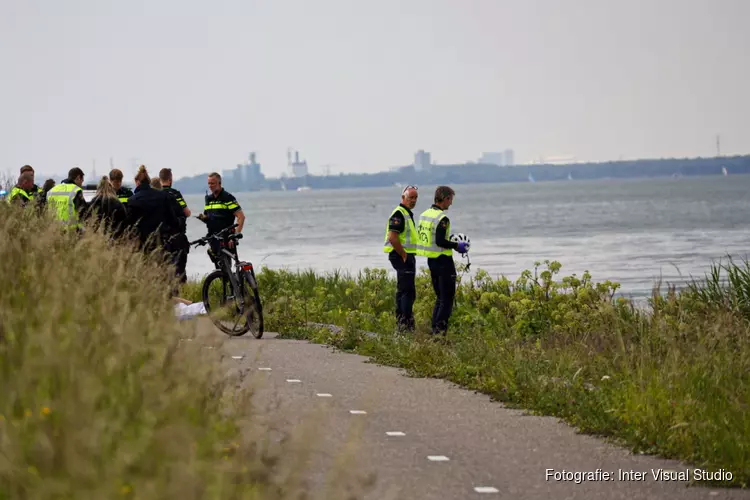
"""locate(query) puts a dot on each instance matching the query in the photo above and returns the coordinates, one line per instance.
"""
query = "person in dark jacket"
(179, 244)
(48, 184)
(150, 213)
(106, 209)
(123, 193)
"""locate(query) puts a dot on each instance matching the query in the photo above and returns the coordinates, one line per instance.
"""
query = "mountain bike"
(230, 292)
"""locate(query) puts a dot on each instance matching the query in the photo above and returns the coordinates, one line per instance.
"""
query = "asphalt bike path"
(430, 439)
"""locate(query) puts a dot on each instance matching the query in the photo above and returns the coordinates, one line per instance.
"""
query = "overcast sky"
(361, 85)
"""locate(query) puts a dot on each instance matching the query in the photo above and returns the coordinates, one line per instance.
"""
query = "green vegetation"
(100, 399)
(672, 381)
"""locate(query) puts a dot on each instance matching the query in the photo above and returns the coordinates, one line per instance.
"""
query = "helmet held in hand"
(459, 237)
(463, 242)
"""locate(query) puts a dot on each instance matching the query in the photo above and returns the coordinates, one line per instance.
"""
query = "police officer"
(21, 194)
(35, 190)
(220, 210)
(434, 230)
(66, 201)
(151, 213)
(179, 245)
(123, 193)
(401, 246)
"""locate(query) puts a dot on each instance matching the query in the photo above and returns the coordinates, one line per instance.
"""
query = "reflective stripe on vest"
(220, 205)
(427, 234)
(17, 191)
(407, 237)
(60, 198)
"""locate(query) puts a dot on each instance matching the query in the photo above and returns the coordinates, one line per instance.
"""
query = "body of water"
(629, 231)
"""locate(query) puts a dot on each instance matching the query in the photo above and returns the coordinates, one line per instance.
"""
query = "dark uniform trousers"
(443, 273)
(179, 247)
(406, 290)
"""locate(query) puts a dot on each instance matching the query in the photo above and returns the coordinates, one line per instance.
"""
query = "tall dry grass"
(98, 396)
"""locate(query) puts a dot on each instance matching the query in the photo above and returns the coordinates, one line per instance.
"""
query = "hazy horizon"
(360, 86)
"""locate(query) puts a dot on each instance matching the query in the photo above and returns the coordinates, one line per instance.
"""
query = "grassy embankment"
(673, 381)
(100, 399)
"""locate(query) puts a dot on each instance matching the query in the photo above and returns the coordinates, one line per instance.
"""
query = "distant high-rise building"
(422, 160)
(299, 168)
(244, 175)
(495, 158)
(499, 158)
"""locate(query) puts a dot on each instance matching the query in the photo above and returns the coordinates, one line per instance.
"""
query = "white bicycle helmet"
(458, 237)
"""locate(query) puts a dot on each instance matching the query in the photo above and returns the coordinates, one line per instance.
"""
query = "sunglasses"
(408, 188)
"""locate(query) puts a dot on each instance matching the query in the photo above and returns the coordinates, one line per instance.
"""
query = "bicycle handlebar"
(219, 236)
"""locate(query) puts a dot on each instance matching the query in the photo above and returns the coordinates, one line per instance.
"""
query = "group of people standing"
(430, 238)
(155, 211)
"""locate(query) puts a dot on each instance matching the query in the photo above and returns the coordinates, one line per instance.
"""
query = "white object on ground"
(486, 489)
(187, 311)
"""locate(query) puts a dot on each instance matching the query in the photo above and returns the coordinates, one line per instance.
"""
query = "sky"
(359, 86)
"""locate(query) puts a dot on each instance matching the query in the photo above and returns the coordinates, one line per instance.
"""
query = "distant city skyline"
(420, 159)
(361, 86)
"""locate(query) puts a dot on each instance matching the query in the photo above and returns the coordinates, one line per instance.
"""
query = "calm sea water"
(628, 231)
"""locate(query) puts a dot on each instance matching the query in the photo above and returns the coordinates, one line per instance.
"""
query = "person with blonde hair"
(106, 209)
(151, 213)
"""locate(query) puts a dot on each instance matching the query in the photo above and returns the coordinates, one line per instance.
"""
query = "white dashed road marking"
(486, 489)
(432, 458)
(238, 357)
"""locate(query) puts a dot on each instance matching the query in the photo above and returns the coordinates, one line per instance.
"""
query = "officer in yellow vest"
(35, 191)
(66, 202)
(434, 229)
(401, 247)
(21, 192)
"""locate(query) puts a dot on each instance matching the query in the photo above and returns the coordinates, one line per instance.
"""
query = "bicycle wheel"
(254, 308)
(222, 305)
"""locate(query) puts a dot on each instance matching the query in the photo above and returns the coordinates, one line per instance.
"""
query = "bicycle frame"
(226, 261)
(230, 268)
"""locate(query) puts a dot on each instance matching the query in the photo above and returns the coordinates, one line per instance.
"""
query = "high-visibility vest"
(407, 237)
(219, 205)
(427, 233)
(123, 194)
(17, 191)
(60, 200)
